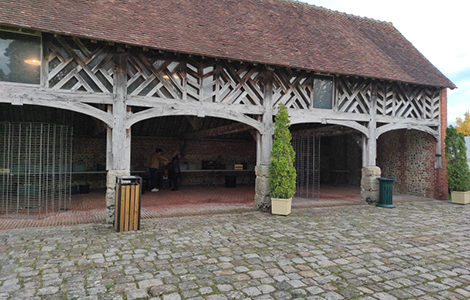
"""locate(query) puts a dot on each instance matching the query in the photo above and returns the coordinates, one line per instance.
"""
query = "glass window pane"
(20, 59)
(323, 93)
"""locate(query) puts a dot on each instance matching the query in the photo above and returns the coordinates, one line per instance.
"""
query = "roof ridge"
(349, 15)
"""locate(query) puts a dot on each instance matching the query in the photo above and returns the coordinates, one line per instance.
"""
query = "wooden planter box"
(281, 206)
(460, 197)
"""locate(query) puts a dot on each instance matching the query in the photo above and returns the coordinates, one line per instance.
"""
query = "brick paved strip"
(418, 250)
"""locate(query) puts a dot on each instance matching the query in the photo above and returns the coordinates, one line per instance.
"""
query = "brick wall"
(442, 191)
(89, 154)
(227, 152)
(409, 157)
(340, 153)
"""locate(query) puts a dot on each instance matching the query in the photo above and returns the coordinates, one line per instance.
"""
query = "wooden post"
(109, 141)
(120, 135)
(268, 127)
(372, 141)
(44, 76)
(262, 199)
(364, 151)
(370, 172)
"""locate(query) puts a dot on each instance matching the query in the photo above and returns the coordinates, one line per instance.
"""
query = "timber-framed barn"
(207, 76)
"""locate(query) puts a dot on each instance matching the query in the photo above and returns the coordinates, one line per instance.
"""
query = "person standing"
(158, 161)
(174, 172)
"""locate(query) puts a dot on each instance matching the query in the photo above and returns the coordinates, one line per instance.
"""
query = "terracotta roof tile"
(274, 32)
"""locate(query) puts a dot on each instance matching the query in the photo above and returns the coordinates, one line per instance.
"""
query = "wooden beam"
(221, 130)
(332, 130)
(145, 101)
(417, 122)
(253, 134)
(317, 115)
(195, 122)
(17, 93)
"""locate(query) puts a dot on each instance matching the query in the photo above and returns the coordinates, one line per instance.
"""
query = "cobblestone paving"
(418, 250)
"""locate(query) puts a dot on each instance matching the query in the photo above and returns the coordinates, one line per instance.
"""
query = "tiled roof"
(274, 32)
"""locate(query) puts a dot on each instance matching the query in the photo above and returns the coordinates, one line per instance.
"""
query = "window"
(323, 92)
(20, 57)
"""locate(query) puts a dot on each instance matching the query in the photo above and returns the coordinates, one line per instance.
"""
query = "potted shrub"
(282, 174)
(458, 173)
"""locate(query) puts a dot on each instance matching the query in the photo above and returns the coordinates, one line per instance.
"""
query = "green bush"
(282, 174)
(458, 173)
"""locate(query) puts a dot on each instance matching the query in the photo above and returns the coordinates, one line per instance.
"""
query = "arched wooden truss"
(77, 102)
(390, 127)
(296, 119)
(82, 108)
(171, 111)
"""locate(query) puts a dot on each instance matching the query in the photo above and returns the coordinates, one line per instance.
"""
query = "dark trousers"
(174, 180)
(156, 177)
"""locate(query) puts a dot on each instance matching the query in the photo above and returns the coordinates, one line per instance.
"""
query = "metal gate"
(35, 169)
(307, 165)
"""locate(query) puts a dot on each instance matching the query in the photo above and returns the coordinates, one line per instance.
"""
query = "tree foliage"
(458, 173)
(282, 174)
(463, 126)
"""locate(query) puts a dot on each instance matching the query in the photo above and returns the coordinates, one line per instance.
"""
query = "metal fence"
(35, 169)
(307, 165)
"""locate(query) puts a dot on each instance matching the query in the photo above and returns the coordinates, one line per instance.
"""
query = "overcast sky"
(438, 29)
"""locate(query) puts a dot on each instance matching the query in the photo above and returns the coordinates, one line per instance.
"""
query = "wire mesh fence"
(35, 169)
(307, 165)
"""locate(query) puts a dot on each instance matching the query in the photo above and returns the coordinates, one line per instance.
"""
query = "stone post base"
(262, 199)
(110, 192)
(370, 184)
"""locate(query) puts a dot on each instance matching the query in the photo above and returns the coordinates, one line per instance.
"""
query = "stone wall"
(409, 157)
(390, 155)
(420, 163)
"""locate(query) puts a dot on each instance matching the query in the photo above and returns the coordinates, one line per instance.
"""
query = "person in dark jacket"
(174, 172)
(157, 163)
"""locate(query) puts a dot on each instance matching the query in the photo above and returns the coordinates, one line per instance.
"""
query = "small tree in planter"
(282, 174)
(458, 173)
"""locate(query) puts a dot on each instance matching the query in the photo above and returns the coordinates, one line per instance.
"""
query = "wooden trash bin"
(127, 204)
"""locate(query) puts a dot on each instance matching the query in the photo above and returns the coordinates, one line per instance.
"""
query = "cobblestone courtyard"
(418, 250)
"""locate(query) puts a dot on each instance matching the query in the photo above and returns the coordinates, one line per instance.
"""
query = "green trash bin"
(386, 192)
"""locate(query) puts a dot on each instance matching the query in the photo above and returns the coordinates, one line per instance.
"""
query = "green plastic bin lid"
(385, 179)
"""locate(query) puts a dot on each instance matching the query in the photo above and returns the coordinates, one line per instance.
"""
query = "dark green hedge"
(458, 173)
